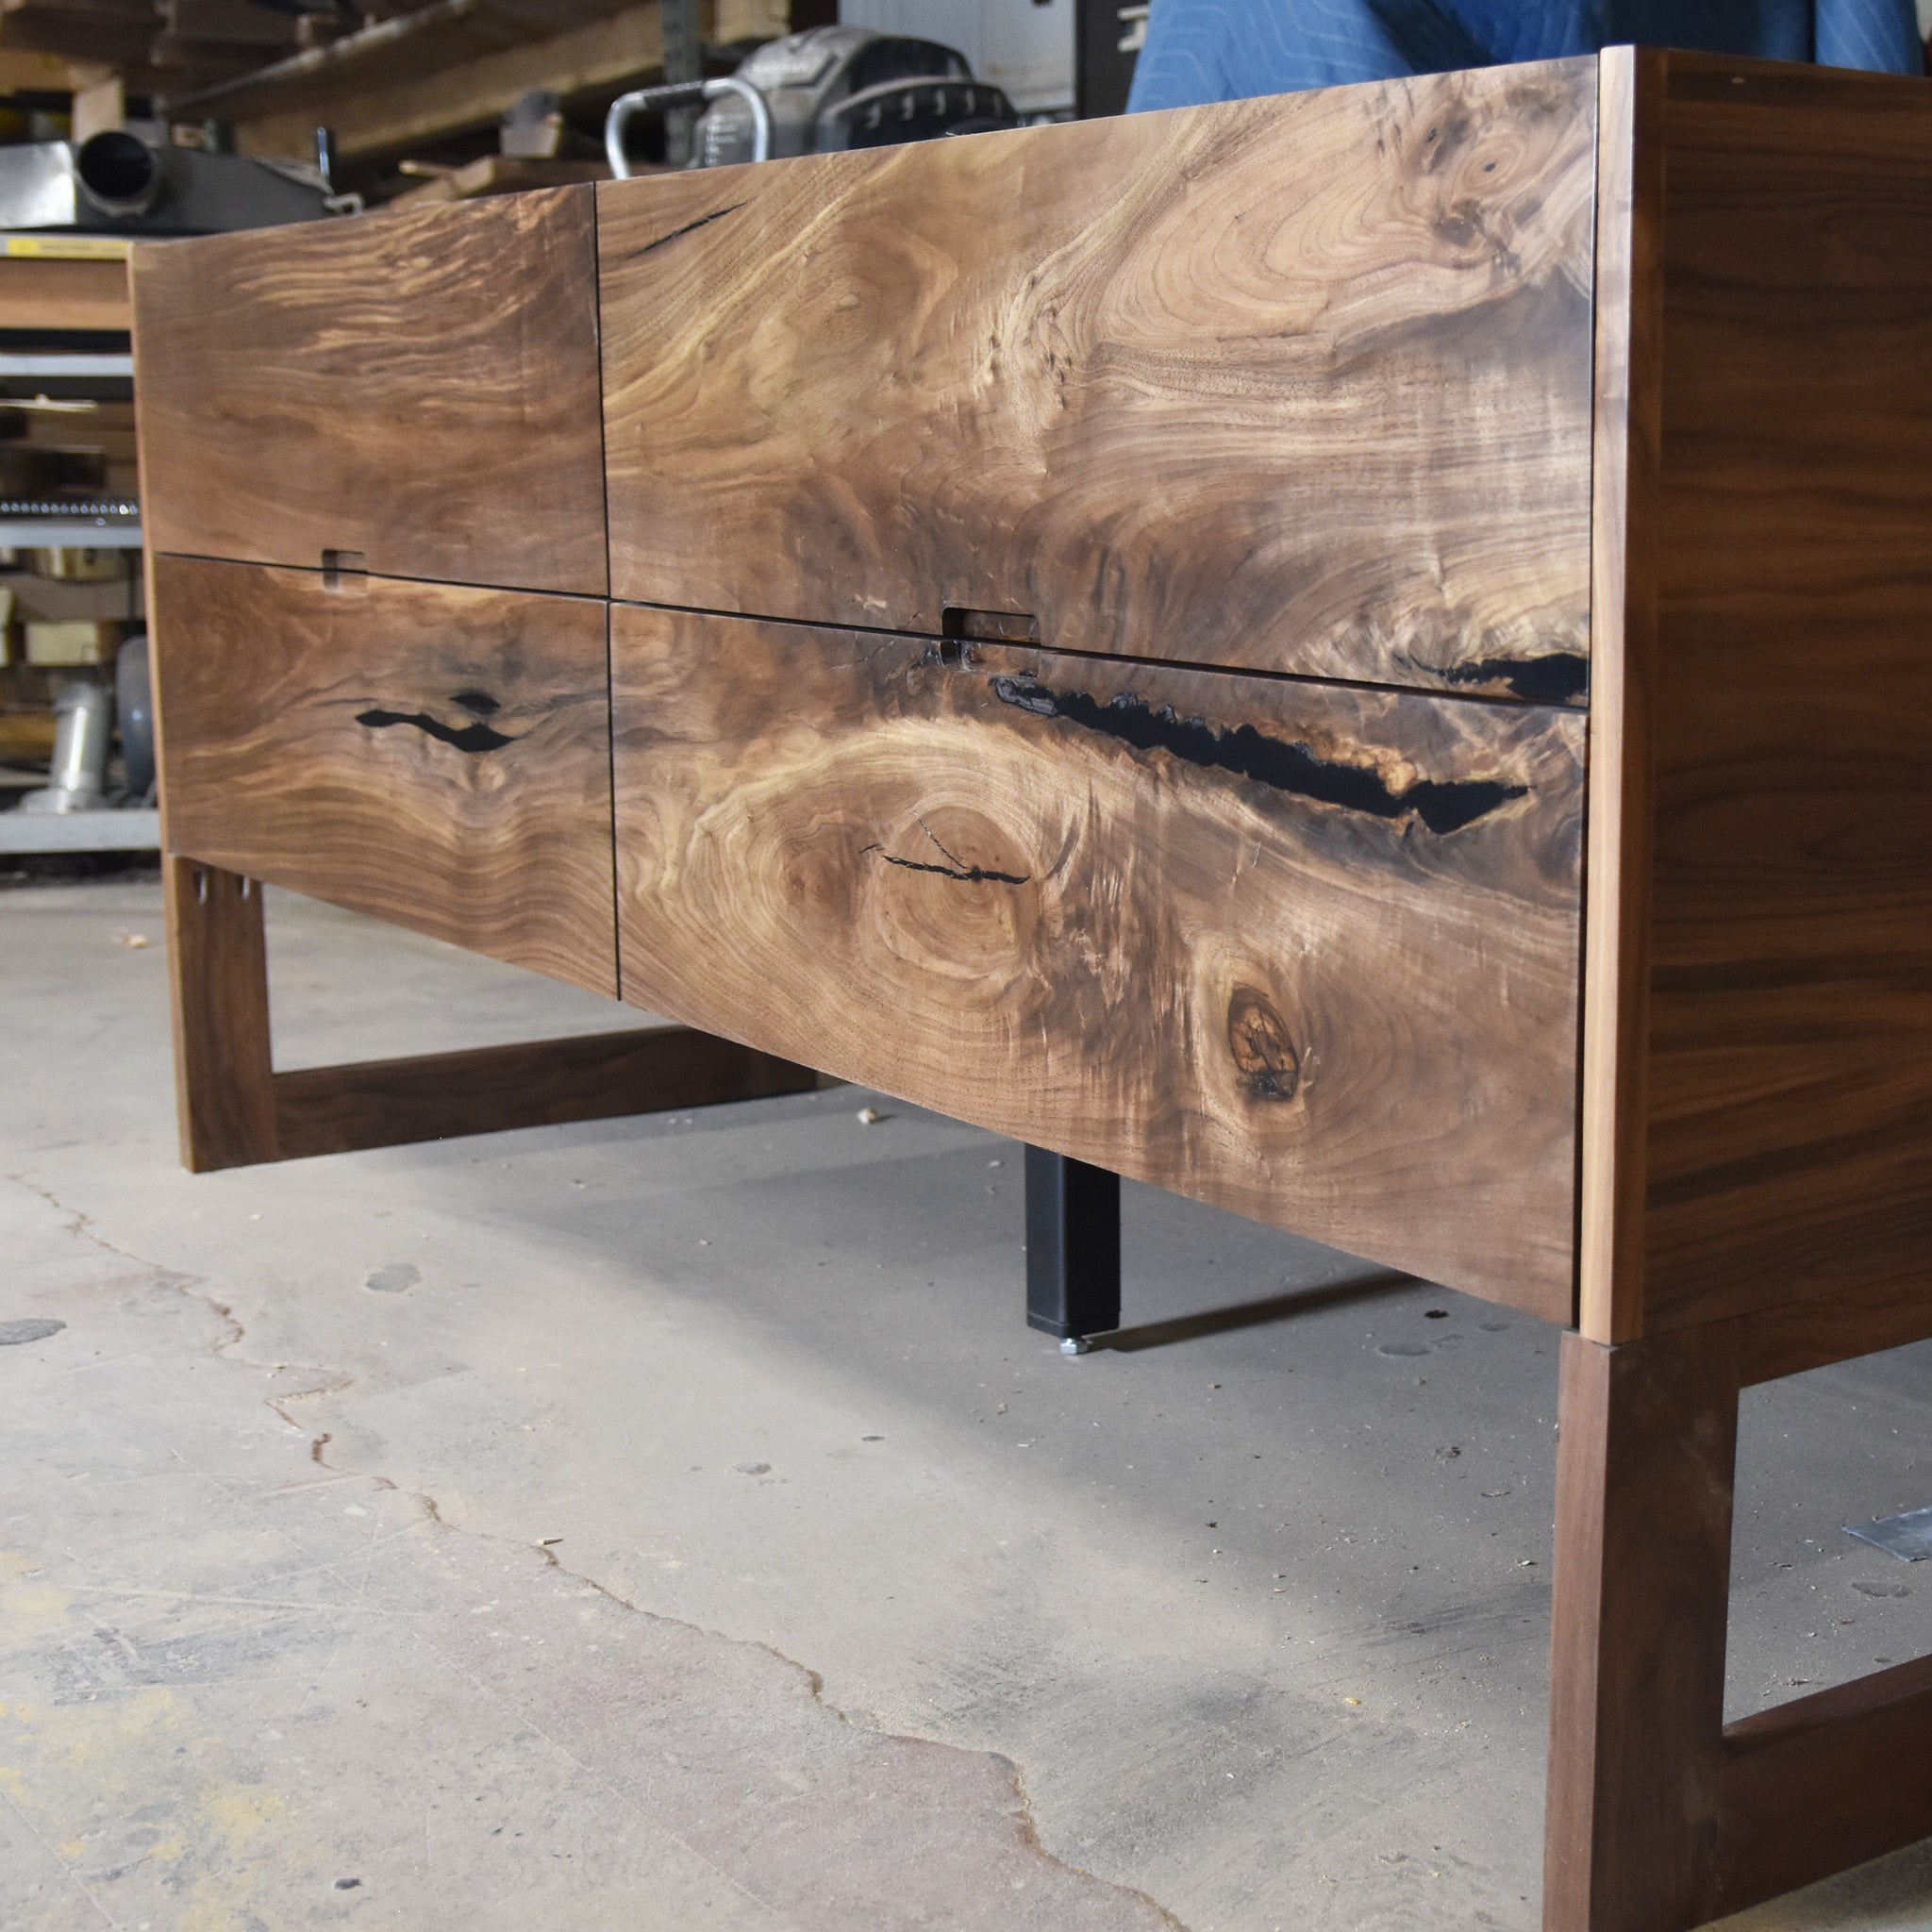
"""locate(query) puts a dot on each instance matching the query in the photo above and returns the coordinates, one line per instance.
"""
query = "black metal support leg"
(1072, 1246)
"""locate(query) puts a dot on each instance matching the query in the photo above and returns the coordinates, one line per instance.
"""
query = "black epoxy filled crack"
(479, 702)
(971, 874)
(1441, 806)
(469, 738)
(1557, 677)
(689, 228)
(957, 869)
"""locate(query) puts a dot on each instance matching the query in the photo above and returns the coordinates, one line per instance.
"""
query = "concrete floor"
(668, 1524)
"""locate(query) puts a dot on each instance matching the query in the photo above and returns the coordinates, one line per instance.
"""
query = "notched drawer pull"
(345, 572)
(989, 626)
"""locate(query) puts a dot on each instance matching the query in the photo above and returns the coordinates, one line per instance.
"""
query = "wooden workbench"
(1360, 656)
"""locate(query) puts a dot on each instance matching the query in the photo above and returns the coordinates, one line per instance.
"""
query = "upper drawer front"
(1306, 951)
(439, 757)
(1299, 384)
(418, 387)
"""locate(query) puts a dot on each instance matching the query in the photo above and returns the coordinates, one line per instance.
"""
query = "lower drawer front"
(1306, 951)
(436, 756)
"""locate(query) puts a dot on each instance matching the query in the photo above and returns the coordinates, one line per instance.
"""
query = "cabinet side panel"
(1789, 1107)
(1296, 384)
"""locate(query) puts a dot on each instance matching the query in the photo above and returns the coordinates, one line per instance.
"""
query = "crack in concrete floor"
(981, 1862)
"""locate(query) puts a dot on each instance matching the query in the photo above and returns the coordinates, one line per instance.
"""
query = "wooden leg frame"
(1661, 1816)
(236, 1109)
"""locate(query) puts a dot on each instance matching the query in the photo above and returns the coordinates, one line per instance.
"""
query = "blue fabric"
(1226, 50)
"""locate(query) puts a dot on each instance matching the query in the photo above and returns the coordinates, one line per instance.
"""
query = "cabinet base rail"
(236, 1109)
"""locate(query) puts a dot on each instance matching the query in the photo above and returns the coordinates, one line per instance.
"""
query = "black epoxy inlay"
(1559, 678)
(959, 869)
(689, 228)
(479, 702)
(1442, 806)
(971, 874)
(470, 738)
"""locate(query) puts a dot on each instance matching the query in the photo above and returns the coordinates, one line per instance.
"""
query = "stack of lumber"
(210, 39)
(119, 34)
(404, 75)
(455, 64)
(153, 45)
(50, 450)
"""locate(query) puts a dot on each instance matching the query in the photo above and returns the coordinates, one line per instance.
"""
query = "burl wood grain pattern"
(1308, 952)
(1777, 715)
(1300, 384)
(434, 754)
(419, 389)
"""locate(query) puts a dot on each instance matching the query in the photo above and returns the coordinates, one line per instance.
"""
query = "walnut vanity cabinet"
(1364, 657)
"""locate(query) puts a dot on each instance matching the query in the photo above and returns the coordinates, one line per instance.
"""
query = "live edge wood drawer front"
(417, 389)
(1300, 384)
(437, 755)
(1306, 951)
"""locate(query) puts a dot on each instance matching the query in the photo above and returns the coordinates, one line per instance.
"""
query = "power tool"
(827, 88)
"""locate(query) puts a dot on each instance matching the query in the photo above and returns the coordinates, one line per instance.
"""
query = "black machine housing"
(831, 88)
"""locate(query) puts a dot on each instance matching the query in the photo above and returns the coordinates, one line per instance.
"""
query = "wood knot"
(1263, 1052)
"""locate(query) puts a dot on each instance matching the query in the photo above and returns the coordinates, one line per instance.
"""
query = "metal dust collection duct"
(117, 183)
